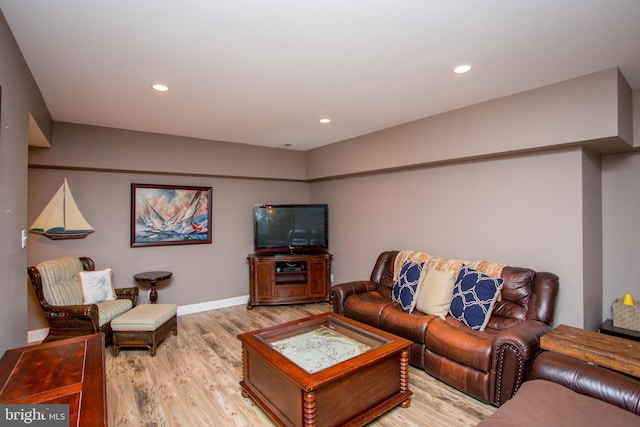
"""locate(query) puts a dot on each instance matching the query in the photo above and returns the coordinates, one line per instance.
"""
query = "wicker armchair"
(59, 293)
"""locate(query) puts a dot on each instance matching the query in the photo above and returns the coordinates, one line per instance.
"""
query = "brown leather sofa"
(488, 365)
(562, 391)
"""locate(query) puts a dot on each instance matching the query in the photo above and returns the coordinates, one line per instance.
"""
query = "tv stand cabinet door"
(262, 282)
(318, 278)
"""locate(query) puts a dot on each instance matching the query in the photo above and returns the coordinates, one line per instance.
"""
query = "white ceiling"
(264, 72)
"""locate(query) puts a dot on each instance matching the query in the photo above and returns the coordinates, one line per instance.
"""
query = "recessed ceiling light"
(460, 69)
(325, 121)
(160, 87)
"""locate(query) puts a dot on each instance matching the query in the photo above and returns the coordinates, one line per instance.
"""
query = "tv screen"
(291, 228)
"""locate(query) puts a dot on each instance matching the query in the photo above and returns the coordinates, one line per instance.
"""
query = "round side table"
(153, 277)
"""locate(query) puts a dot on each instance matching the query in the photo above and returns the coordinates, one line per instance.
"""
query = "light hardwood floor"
(194, 378)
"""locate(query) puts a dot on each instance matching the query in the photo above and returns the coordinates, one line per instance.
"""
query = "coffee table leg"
(310, 408)
(404, 376)
(245, 372)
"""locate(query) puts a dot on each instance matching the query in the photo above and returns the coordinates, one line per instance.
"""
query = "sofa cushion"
(96, 286)
(412, 326)
(60, 281)
(545, 403)
(406, 285)
(435, 292)
(460, 344)
(474, 296)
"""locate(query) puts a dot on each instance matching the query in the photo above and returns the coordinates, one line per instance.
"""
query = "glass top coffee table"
(325, 370)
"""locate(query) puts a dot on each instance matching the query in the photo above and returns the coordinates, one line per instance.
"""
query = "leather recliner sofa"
(563, 391)
(488, 365)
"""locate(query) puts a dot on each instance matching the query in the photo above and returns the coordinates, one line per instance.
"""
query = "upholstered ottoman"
(145, 325)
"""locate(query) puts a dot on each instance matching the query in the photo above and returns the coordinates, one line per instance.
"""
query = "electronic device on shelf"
(288, 267)
(291, 229)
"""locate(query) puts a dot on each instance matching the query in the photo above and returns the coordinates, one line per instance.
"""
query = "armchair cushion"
(474, 296)
(58, 288)
(109, 310)
(96, 286)
(60, 281)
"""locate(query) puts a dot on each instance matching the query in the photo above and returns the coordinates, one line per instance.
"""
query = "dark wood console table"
(153, 277)
(69, 372)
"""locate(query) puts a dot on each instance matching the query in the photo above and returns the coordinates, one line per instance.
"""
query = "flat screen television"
(291, 228)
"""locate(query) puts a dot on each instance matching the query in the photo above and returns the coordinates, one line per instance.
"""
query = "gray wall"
(594, 109)
(20, 97)
(100, 148)
(519, 209)
(102, 163)
(201, 273)
(621, 227)
(591, 217)
(529, 192)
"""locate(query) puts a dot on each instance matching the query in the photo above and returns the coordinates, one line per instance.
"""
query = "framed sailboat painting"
(170, 215)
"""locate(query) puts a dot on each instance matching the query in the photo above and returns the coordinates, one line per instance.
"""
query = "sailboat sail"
(61, 218)
(182, 221)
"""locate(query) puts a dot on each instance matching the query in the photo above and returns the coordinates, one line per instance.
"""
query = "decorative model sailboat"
(61, 218)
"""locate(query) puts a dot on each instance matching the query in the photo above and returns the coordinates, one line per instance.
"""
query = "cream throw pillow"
(96, 286)
(435, 293)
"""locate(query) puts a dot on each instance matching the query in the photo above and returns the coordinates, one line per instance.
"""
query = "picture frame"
(170, 215)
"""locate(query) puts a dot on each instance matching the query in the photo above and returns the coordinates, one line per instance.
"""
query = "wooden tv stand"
(289, 279)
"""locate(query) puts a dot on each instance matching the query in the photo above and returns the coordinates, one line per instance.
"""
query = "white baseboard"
(36, 336)
(212, 305)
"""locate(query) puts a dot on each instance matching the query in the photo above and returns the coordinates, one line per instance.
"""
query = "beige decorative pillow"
(435, 293)
(96, 286)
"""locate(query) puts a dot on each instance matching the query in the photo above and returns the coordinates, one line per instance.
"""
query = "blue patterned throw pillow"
(474, 296)
(405, 287)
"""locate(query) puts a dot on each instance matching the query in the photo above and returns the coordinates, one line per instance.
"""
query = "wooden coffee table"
(615, 353)
(325, 370)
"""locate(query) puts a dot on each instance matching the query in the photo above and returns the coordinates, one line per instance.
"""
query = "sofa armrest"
(542, 301)
(513, 350)
(128, 293)
(341, 292)
(588, 379)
